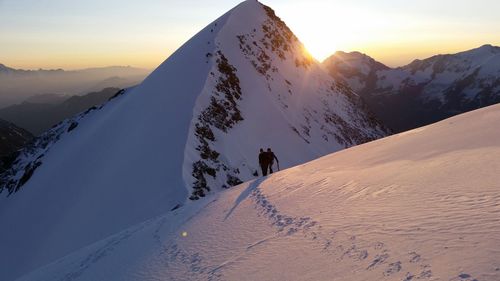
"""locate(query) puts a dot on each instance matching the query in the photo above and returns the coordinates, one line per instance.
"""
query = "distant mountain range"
(424, 91)
(39, 113)
(47, 98)
(20, 84)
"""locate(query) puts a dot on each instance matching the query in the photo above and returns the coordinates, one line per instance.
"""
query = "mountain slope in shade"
(12, 138)
(420, 205)
(192, 128)
(424, 91)
(47, 98)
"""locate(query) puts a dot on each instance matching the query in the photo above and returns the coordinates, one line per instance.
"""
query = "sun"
(320, 51)
(319, 47)
(319, 44)
(316, 28)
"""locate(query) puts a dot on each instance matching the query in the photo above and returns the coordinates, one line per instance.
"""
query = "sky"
(143, 33)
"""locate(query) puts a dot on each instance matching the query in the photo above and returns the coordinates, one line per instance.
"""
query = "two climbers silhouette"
(266, 161)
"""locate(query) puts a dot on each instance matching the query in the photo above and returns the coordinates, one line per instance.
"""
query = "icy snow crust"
(421, 205)
(192, 128)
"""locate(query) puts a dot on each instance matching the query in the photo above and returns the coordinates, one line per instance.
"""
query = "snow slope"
(193, 127)
(420, 205)
(424, 91)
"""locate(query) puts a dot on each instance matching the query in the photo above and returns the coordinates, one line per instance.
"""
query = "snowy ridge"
(425, 91)
(191, 129)
(386, 210)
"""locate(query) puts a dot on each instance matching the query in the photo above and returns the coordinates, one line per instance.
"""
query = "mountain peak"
(193, 127)
(352, 67)
(354, 58)
(483, 50)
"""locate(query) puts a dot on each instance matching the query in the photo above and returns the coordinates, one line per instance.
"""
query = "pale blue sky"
(82, 33)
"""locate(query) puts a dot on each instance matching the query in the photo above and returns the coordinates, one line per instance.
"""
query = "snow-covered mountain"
(424, 91)
(193, 127)
(356, 69)
(420, 205)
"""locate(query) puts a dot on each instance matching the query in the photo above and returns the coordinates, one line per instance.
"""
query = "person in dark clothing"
(263, 161)
(270, 159)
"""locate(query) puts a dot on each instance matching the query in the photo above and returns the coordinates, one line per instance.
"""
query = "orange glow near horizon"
(79, 35)
(391, 32)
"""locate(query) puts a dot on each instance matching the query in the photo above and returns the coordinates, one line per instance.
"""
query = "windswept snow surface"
(420, 205)
(192, 128)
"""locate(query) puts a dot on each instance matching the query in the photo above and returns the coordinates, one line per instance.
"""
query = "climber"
(263, 161)
(270, 160)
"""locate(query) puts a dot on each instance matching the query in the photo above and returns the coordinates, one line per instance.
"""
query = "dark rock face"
(222, 113)
(72, 126)
(12, 138)
(425, 91)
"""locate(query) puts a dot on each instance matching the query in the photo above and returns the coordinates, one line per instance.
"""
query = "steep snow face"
(264, 90)
(429, 90)
(421, 205)
(195, 124)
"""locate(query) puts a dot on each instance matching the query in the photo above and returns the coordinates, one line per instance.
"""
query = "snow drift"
(194, 126)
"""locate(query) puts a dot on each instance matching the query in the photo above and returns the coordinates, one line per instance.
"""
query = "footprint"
(463, 277)
(408, 276)
(393, 268)
(414, 257)
(427, 273)
(378, 245)
(291, 231)
(327, 245)
(355, 253)
(379, 259)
